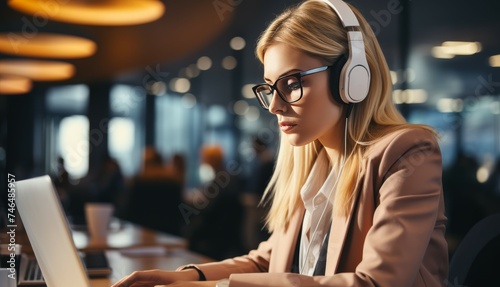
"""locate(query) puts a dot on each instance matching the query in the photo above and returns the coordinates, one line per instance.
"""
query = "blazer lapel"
(338, 233)
(285, 244)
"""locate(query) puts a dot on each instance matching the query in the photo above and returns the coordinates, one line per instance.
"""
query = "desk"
(124, 234)
(124, 242)
(124, 265)
(127, 237)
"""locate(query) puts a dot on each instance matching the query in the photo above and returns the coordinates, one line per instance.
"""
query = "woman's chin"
(295, 140)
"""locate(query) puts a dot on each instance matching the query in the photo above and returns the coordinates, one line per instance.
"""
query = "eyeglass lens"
(289, 89)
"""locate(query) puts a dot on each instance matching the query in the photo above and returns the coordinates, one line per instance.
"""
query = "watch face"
(222, 283)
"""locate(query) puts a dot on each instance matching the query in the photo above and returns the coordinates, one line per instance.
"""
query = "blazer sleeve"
(255, 261)
(410, 211)
(409, 197)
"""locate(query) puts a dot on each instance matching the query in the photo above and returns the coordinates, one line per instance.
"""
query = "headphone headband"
(344, 12)
(354, 81)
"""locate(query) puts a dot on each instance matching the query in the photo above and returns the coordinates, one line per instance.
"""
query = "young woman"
(356, 193)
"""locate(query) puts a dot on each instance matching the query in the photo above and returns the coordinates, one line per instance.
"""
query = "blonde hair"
(314, 28)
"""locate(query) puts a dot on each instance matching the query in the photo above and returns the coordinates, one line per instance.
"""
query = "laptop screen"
(49, 233)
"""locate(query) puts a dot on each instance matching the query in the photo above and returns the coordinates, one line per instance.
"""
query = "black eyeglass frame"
(274, 87)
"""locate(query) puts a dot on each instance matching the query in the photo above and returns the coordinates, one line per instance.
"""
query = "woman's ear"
(335, 72)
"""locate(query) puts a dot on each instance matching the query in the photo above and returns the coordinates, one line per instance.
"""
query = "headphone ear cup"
(335, 72)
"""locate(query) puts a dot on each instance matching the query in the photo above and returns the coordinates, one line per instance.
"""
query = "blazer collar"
(338, 232)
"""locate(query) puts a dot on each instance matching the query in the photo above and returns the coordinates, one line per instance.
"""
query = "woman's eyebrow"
(283, 74)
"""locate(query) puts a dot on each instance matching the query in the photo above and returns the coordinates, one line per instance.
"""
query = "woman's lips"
(286, 126)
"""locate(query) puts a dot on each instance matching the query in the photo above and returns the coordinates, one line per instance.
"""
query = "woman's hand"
(191, 284)
(160, 277)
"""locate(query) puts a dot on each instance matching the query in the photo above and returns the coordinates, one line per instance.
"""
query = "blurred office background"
(95, 98)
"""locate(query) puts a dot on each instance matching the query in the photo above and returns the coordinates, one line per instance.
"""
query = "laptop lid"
(49, 233)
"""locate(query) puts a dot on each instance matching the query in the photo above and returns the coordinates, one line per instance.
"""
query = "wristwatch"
(222, 283)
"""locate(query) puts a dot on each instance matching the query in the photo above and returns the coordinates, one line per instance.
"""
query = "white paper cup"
(98, 216)
(6, 278)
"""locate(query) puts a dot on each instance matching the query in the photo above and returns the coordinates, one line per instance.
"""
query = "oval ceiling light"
(495, 61)
(93, 12)
(37, 70)
(47, 45)
(462, 48)
(11, 85)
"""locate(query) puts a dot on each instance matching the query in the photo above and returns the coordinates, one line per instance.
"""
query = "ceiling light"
(252, 114)
(441, 53)
(394, 77)
(158, 88)
(240, 107)
(192, 71)
(247, 91)
(450, 49)
(482, 174)
(10, 85)
(180, 85)
(398, 77)
(229, 63)
(46, 45)
(495, 61)
(237, 43)
(93, 12)
(462, 48)
(410, 96)
(204, 63)
(37, 70)
(447, 105)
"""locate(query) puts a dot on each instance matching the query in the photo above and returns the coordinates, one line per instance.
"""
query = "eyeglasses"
(289, 87)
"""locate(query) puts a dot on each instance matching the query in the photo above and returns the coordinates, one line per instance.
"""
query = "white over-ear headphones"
(354, 80)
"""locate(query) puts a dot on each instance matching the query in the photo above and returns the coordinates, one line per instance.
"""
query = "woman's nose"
(277, 105)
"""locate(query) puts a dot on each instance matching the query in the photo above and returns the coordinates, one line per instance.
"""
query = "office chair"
(477, 259)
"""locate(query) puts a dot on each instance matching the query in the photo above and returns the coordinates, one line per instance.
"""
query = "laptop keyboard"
(33, 272)
(95, 263)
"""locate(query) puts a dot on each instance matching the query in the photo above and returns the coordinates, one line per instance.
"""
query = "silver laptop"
(50, 237)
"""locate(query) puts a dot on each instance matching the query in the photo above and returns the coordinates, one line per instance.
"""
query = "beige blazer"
(394, 235)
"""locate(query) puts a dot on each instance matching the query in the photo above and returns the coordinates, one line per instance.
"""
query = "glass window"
(179, 130)
(72, 99)
(121, 142)
(73, 143)
(125, 142)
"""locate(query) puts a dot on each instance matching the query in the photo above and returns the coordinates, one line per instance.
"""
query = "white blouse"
(317, 194)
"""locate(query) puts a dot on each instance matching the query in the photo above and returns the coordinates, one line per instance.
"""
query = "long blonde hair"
(314, 28)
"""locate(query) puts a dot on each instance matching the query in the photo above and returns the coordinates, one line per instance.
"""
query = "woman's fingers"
(144, 278)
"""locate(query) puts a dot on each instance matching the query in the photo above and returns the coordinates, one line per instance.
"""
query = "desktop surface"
(123, 264)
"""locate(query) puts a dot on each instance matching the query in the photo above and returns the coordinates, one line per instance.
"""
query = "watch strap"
(200, 273)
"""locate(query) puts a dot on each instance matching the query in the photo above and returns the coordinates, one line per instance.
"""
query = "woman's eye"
(293, 85)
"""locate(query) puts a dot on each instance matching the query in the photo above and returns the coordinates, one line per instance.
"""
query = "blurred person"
(177, 168)
(61, 181)
(109, 182)
(356, 195)
(260, 173)
(262, 167)
(216, 230)
(152, 162)
(155, 167)
(105, 183)
(154, 196)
